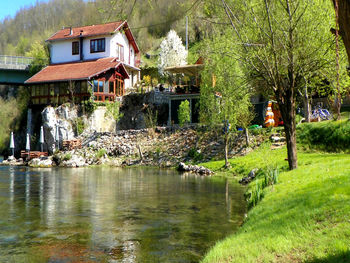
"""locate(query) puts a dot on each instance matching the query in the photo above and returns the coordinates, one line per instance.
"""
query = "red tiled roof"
(75, 71)
(94, 30)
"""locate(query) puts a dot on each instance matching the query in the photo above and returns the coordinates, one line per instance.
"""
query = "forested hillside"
(150, 20)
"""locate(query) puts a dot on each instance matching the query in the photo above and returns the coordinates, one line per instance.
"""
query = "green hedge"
(331, 136)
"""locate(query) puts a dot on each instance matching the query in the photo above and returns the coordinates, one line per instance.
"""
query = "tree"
(172, 53)
(225, 96)
(282, 41)
(40, 55)
(184, 113)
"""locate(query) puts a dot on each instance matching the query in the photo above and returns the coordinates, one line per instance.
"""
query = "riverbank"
(159, 147)
(302, 218)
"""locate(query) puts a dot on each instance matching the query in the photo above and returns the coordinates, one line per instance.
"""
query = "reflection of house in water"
(186, 87)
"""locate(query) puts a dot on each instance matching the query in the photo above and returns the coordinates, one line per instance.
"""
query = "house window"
(99, 86)
(95, 86)
(75, 48)
(111, 87)
(97, 45)
(120, 52)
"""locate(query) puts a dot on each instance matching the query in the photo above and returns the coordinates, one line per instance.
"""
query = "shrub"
(195, 155)
(332, 136)
(79, 125)
(184, 113)
(113, 110)
(88, 106)
(67, 157)
(100, 153)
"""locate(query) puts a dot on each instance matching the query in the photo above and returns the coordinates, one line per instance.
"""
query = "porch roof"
(76, 71)
(191, 70)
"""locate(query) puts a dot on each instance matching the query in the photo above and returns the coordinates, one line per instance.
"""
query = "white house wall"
(86, 48)
(61, 52)
(129, 52)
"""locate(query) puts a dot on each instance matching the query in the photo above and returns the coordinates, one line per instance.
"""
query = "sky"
(10, 7)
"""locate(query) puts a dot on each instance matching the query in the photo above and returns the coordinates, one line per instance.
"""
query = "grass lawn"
(304, 218)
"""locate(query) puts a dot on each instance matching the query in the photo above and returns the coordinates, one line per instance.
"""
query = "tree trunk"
(307, 106)
(344, 25)
(287, 107)
(227, 164)
(246, 132)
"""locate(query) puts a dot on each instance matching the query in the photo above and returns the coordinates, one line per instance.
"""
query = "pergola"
(190, 70)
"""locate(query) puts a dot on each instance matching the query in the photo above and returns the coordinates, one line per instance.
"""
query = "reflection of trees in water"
(124, 212)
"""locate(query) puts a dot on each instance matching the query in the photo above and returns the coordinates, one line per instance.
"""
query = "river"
(113, 215)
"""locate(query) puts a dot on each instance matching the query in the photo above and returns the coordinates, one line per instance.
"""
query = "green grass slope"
(305, 218)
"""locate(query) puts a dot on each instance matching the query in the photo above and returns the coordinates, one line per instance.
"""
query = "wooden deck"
(32, 154)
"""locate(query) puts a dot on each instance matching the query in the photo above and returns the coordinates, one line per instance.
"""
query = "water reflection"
(113, 215)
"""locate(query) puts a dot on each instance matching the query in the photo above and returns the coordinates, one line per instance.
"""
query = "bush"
(67, 157)
(88, 106)
(195, 155)
(113, 110)
(13, 113)
(331, 136)
(184, 113)
(79, 125)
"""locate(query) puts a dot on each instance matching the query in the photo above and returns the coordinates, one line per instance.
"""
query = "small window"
(95, 86)
(75, 48)
(111, 87)
(100, 86)
(120, 52)
(97, 45)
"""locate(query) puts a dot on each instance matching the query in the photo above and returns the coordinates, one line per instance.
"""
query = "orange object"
(269, 116)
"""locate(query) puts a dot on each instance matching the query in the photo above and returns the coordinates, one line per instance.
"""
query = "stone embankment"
(162, 147)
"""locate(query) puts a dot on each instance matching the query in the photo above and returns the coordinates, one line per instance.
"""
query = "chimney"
(70, 31)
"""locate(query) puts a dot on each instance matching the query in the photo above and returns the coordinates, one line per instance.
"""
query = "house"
(102, 60)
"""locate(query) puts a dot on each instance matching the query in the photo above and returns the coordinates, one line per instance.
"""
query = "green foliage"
(265, 177)
(195, 155)
(40, 55)
(22, 46)
(12, 114)
(67, 157)
(89, 106)
(79, 125)
(101, 153)
(184, 113)
(113, 110)
(332, 136)
(224, 93)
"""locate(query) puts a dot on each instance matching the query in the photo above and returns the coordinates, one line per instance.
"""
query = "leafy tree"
(40, 56)
(281, 41)
(23, 46)
(173, 52)
(224, 93)
(184, 113)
